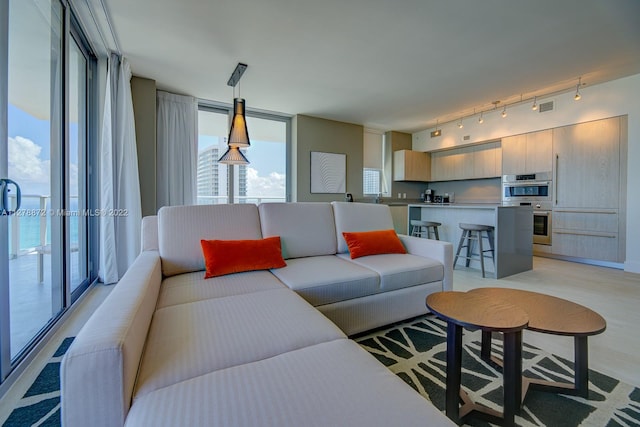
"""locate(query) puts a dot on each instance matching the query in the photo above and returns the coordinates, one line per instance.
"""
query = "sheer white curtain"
(121, 211)
(177, 146)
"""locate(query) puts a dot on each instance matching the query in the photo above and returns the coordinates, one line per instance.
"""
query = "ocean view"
(29, 222)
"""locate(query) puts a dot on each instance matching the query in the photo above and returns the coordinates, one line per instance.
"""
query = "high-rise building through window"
(211, 177)
(208, 182)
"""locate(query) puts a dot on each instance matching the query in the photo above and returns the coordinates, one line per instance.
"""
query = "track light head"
(577, 96)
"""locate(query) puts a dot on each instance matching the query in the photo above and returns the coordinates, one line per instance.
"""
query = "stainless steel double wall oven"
(535, 190)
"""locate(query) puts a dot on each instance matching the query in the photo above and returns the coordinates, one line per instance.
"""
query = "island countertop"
(460, 205)
(513, 234)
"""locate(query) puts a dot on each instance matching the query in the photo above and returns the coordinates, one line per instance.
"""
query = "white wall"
(614, 98)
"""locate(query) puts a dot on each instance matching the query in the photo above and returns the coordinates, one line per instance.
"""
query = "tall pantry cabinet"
(588, 198)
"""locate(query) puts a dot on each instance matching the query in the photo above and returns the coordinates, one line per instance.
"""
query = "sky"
(30, 152)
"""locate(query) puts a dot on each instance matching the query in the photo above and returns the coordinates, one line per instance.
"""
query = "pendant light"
(238, 134)
(534, 107)
(233, 156)
(460, 125)
(480, 119)
(504, 111)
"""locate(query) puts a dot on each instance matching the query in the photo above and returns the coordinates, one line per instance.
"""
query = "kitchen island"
(513, 236)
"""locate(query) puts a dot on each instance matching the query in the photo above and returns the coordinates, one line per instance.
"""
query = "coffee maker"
(428, 195)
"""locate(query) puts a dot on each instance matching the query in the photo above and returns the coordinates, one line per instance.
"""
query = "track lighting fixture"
(543, 107)
(577, 96)
(436, 132)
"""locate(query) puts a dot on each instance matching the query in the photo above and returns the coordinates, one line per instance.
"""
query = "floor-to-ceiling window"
(264, 179)
(44, 146)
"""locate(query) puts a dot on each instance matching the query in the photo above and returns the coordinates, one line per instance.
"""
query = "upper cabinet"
(472, 162)
(528, 153)
(411, 165)
(487, 160)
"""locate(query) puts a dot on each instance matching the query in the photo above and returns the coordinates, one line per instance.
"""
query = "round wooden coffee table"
(551, 315)
(474, 311)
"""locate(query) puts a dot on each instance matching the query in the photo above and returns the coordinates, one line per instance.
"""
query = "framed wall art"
(328, 172)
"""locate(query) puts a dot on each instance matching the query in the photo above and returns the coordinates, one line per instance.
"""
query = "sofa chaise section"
(193, 339)
(329, 384)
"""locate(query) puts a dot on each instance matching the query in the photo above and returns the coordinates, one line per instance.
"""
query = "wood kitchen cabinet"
(527, 153)
(487, 160)
(591, 234)
(399, 215)
(588, 198)
(472, 162)
(409, 165)
(587, 165)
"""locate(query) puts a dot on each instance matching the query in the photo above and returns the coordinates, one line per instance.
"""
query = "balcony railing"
(40, 213)
(218, 200)
(37, 215)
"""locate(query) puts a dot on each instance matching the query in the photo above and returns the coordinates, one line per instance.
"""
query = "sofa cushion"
(180, 229)
(191, 287)
(189, 340)
(400, 271)
(359, 217)
(330, 384)
(363, 243)
(223, 257)
(305, 229)
(327, 279)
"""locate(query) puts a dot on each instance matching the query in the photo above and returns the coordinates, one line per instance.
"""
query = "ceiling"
(385, 64)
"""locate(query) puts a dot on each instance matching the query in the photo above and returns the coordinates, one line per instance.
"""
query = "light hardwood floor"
(612, 293)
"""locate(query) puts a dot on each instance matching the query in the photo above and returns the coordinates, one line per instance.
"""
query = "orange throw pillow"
(235, 256)
(373, 243)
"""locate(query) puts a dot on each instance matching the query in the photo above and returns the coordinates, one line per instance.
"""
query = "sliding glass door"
(77, 250)
(43, 161)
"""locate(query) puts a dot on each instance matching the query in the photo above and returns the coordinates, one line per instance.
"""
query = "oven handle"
(526, 184)
(541, 213)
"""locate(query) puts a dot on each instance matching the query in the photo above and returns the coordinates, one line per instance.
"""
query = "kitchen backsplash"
(470, 191)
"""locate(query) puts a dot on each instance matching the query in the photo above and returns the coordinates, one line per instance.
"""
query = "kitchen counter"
(513, 237)
(457, 205)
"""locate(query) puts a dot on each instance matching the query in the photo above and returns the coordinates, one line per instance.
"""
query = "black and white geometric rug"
(416, 352)
(40, 405)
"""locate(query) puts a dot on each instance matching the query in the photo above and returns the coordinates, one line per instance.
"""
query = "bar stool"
(425, 228)
(474, 233)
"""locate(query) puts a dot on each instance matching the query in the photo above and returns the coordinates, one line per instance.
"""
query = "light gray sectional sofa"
(170, 348)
